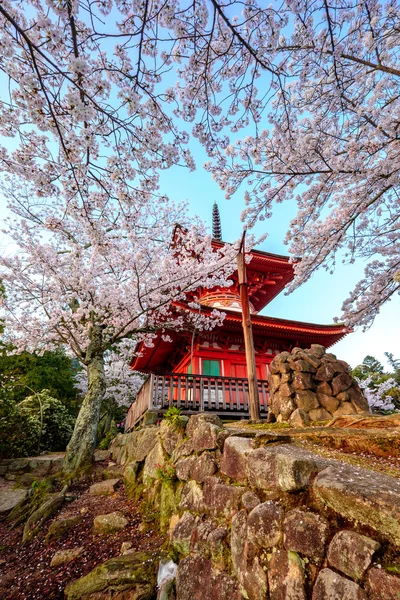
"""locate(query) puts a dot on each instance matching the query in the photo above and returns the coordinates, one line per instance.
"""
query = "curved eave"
(297, 332)
(327, 335)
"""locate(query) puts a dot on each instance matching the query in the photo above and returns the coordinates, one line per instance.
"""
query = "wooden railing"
(194, 393)
(140, 405)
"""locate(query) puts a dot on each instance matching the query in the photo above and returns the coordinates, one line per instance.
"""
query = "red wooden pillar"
(248, 335)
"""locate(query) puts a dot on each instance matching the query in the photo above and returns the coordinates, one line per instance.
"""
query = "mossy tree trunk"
(80, 450)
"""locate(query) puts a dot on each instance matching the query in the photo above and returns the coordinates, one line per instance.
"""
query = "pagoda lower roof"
(264, 328)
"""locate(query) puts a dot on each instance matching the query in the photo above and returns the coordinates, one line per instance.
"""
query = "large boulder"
(61, 526)
(182, 533)
(105, 488)
(192, 497)
(154, 460)
(306, 533)
(10, 497)
(203, 430)
(134, 446)
(286, 577)
(171, 436)
(234, 458)
(383, 585)
(264, 525)
(133, 573)
(335, 587)
(221, 499)
(282, 468)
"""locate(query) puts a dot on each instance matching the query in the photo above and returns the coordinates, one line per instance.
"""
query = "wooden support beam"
(248, 334)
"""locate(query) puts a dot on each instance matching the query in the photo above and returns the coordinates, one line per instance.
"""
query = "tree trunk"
(80, 450)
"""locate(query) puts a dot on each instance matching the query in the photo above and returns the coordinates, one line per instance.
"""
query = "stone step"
(363, 496)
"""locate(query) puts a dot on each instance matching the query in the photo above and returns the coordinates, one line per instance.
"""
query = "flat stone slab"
(284, 467)
(63, 557)
(131, 575)
(368, 497)
(105, 488)
(375, 442)
(10, 497)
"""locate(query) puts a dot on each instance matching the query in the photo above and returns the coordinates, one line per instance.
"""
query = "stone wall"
(258, 519)
(312, 385)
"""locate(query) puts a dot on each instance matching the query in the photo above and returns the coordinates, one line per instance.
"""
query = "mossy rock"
(58, 528)
(135, 572)
(168, 503)
(131, 474)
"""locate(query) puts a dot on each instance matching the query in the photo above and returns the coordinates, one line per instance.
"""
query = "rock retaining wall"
(264, 520)
(312, 385)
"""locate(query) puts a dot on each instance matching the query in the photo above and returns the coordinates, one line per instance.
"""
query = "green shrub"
(19, 431)
(40, 422)
(173, 416)
(108, 438)
(54, 420)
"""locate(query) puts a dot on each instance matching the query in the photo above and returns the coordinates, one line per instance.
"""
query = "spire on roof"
(216, 223)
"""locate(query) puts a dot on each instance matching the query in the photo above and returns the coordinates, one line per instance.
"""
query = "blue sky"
(317, 301)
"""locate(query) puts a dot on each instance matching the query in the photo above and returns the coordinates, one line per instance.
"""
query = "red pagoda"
(207, 371)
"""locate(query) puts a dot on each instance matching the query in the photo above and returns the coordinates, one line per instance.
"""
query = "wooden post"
(248, 335)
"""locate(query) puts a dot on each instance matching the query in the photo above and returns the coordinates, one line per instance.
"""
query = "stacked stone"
(312, 385)
(247, 519)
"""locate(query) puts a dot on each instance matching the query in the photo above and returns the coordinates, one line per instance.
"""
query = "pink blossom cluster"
(298, 100)
(377, 394)
(122, 383)
(121, 269)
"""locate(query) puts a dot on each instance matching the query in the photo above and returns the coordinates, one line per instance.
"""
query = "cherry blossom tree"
(95, 96)
(378, 395)
(309, 93)
(99, 93)
(102, 279)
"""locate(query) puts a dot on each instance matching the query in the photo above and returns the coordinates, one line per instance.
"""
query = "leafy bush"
(19, 431)
(55, 422)
(108, 438)
(173, 416)
(25, 373)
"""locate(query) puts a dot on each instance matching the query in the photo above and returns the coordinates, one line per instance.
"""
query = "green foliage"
(395, 365)
(19, 431)
(38, 423)
(166, 472)
(57, 423)
(369, 366)
(173, 416)
(109, 436)
(20, 374)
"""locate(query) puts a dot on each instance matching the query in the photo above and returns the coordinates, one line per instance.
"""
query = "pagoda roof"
(267, 275)
(152, 359)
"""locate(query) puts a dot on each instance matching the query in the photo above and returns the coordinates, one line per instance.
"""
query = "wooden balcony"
(225, 396)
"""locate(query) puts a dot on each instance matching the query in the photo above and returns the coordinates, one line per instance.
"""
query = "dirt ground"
(25, 572)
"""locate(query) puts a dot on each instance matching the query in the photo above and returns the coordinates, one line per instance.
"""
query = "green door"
(212, 368)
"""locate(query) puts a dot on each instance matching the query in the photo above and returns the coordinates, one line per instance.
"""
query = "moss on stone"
(136, 571)
(131, 476)
(168, 505)
(393, 569)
